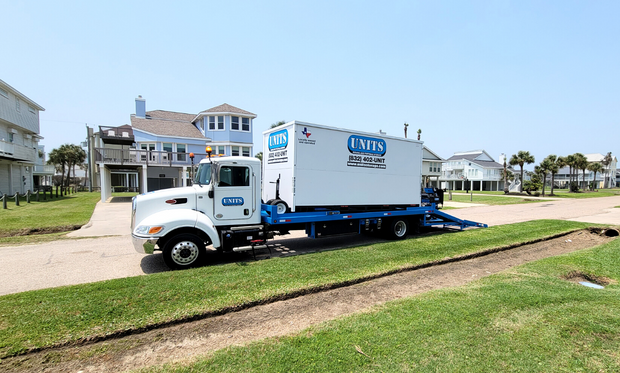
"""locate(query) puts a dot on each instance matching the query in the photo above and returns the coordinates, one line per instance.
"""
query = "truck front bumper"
(143, 245)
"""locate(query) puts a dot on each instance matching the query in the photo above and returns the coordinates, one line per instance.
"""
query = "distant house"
(604, 179)
(154, 151)
(21, 158)
(431, 168)
(472, 170)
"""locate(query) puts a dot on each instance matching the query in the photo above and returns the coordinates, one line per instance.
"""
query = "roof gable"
(228, 109)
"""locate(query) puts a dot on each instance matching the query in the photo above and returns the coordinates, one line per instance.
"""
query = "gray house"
(21, 162)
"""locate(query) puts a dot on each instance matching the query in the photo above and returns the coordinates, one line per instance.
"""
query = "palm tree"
(581, 163)
(570, 162)
(554, 167)
(561, 163)
(521, 158)
(595, 167)
(277, 124)
(406, 125)
(606, 162)
(548, 166)
(419, 133)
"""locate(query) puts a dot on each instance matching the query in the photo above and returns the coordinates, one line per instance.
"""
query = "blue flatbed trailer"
(426, 216)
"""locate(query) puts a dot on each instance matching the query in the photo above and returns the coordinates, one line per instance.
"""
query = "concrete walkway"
(112, 218)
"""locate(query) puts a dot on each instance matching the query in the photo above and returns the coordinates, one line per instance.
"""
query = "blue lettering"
(278, 140)
(367, 145)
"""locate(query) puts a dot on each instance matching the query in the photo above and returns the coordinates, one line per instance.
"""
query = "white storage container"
(322, 166)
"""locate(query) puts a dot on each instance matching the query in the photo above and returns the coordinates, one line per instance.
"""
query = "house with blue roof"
(153, 152)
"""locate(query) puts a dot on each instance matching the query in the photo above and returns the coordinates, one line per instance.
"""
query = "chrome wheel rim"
(400, 228)
(184, 252)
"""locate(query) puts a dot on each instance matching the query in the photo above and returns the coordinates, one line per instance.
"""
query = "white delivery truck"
(320, 179)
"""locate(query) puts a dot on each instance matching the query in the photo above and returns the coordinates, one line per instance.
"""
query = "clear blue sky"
(503, 76)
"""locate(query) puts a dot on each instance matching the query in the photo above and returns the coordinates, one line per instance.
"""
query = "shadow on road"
(281, 247)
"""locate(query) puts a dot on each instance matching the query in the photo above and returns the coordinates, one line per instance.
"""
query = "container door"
(234, 193)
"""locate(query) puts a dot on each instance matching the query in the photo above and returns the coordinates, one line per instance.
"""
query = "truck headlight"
(145, 229)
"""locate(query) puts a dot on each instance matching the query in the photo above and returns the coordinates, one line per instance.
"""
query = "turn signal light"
(154, 230)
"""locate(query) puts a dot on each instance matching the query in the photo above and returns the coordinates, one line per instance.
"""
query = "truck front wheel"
(183, 251)
(399, 228)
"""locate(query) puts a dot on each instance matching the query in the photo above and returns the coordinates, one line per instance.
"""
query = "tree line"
(551, 165)
(65, 158)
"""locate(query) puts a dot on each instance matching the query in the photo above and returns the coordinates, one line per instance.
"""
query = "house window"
(246, 151)
(219, 149)
(4, 93)
(31, 109)
(235, 150)
(245, 124)
(10, 137)
(202, 125)
(234, 123)
(220, 122)
(181, 156)
(18, 105)
(211, 123)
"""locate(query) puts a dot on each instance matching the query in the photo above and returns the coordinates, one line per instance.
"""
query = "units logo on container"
(277, 143)
(278, 140)
(367, 152)
(367, 145)
(232, 201)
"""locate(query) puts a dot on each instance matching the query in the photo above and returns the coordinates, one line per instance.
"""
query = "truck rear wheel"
(399, 228)
(184, 251)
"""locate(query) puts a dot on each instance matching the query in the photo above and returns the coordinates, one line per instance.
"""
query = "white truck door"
(234, 193)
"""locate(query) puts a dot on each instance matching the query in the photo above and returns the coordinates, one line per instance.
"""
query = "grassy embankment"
(45, 220)
(557, 193)
(48, 317)
(493, 200)
(526, 319)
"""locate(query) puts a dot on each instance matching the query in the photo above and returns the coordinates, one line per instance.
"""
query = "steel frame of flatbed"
(429, 216)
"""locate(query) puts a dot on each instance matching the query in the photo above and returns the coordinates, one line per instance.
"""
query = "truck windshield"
(203, 175)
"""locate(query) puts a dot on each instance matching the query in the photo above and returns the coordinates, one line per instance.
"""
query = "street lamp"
(191, 172)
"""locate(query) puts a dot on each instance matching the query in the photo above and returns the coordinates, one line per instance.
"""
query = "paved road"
(102, 249)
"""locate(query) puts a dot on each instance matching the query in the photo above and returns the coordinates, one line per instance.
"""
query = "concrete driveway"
(102, 250)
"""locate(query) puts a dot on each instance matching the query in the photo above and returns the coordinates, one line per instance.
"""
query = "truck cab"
(219, 209)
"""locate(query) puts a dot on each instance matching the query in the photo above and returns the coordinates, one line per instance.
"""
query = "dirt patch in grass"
(577, 277)
(183, 342)
(36, 231)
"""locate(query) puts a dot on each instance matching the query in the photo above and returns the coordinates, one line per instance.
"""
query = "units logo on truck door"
(232, 201)
(367, 152)
(277, 143)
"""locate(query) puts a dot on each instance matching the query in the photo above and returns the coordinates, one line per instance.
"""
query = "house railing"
(44, 169)
(16, 151)
(137, 157)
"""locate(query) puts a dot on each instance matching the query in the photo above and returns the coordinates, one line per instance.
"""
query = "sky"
(503, 76)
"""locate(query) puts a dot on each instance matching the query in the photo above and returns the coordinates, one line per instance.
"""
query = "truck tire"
(184, 250)
(399, 228)
(281, 205)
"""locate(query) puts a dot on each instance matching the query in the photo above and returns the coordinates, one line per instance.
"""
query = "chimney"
(140, 107)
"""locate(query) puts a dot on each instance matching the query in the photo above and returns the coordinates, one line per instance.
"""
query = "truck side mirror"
(210, 194)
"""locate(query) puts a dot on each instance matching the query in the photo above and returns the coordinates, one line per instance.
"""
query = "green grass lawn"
(526, 319)
(48, 317)
(70, 210)
(588, 194)
(493, 200)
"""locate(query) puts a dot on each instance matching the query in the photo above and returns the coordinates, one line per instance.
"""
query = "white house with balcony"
(472, 170)
(154, 151)
(431, 168)
(19, 141)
